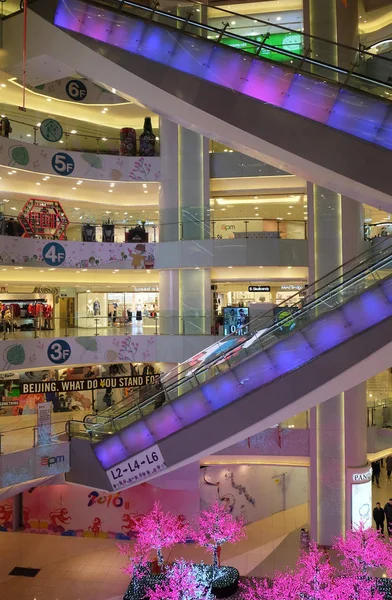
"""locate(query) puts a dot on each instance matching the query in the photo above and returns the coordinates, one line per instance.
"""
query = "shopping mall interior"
(195, 298)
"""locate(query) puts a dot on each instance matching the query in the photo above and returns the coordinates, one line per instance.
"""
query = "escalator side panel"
(353, 112)
(317, 105)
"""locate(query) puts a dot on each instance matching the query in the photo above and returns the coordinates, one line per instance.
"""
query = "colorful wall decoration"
(44, 352)
(84, 165)
(254, 492)
(77, 511)
(83, 255)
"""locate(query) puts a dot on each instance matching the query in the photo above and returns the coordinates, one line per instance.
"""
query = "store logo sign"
(49, 461)
(359, 477)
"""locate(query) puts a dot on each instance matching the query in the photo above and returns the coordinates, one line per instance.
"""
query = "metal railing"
(24, 438)
(306, 53)
(230, 228)
(327, 294)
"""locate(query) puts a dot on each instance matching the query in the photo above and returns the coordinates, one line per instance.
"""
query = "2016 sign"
(54, 254)
(59, 352)
(63, 164)
(76, 90)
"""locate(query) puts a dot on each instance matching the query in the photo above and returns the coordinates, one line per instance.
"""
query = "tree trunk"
(215, 561)
(160, 557)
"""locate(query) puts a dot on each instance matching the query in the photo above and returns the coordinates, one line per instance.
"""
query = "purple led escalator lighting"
(361, 115)
(331, 329)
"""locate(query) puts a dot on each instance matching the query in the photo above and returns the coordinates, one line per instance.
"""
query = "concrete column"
(338, 437)
(184, 294)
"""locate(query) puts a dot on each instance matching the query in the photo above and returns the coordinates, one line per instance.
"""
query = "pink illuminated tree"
(355, 588)
(158, 529)
(183, 582)
(216, 526)
(362, 550)
(137, 565)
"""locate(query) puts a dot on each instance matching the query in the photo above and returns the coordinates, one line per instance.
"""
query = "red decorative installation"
(43, 218)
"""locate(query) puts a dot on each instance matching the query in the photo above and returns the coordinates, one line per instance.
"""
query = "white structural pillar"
(338, 426)
(184, 294)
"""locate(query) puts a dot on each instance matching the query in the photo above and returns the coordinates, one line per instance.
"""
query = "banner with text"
(83, 385)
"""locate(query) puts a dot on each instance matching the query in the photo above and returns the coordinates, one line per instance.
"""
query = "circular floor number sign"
(51, 130)
(54, 254)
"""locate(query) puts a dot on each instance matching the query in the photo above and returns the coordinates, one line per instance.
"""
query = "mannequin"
(90, 308)
(96, 307)
(139, 309)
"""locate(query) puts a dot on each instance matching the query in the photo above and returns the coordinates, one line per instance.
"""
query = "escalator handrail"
(361, 261)
(276, 326)
(304, 58)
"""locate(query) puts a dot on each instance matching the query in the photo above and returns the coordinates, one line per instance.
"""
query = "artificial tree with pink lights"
(360, 551)
(216, 526)
(158, 529)
(184, 581)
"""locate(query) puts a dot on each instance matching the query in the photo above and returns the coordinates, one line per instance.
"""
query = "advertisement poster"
(44, 422)
(235, 320)
(78, 511)
(361, 504)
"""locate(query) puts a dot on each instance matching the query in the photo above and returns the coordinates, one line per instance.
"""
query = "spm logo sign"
(49, 461)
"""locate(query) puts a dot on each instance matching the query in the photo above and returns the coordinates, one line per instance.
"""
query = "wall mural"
(84, 165)
(254, 492)
(36, 353)
(76, 511)
(83, 255)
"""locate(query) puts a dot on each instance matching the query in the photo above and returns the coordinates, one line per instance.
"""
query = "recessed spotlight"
(104, 139)
(13, 172)
(76, 208)
(112, 184)
(88, 291)
(49, 99)
(38, 124)
(232, 22)
(289, 267)
(289, 213)
(260, 267)
(144, 185)
(229, 267)
(3, 85)
(80, 182)
(37, 183)
(28, 135)
(278, 18)
(73, 131)
(74, 188)
(257, 215)
(13, 208)
(110, 191)
(61, 142)
(84, 270)
(52, 269)
(146, 191)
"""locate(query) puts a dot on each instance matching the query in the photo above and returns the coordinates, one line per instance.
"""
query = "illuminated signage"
(259, 288)
(358, 477)
(290, 42)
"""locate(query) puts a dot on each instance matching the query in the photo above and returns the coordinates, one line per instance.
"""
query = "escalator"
(328, 341)
(291, 105)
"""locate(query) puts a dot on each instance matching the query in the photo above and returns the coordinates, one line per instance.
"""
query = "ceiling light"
(103, 112)
(278, 18)
(38, 124)
(84, 270)
(114, 90)
(73, 131)
(289, 213)
(232, 22)
(279, 219)
(157, 138)
(28, 135)
(88, 291)
(289, 267)
(112, 184)
(107, 212)
(76, 208)
(3, 85)
(74, 188)
(5, 200)
(144, 185)
(13, 208)
(260, 267)
(146, 191)
(13, 171)
(257, 200)
(52, 269)
(37, 183)
(80, 181)
(49, 99)
(257, 215)
(110, 191)
(61, 142)
(104, 139)
(291, 206)
(229, 267)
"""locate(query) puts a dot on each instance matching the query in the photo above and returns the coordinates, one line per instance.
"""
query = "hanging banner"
(44, 422)
(83, 385)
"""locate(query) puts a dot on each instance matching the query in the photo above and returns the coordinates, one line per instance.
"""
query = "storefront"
(27, 311)
(251, 294)
(82, 388)
(138, 308)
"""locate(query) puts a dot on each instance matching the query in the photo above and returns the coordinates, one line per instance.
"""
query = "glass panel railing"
(305, 53)
(329, 293)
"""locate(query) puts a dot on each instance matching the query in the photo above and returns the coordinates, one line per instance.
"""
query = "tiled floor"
(88, 569)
